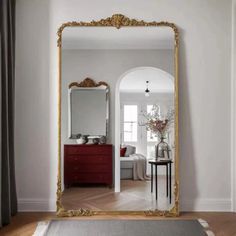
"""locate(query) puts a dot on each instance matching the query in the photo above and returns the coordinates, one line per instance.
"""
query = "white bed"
(126, 158)
(126, 167)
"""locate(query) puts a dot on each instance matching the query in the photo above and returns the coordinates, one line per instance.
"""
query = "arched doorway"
(134, 81)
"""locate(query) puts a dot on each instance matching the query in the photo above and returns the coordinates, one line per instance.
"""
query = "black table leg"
(156, 180)
(151, 178)
(170, 181)
(167, 181)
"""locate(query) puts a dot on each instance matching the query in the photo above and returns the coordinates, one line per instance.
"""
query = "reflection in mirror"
(147, 134)
(137, 63)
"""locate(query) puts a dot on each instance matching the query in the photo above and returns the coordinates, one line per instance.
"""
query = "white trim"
(36, 205)
(221, 205)
(117, 136)
(69, 113)
(233, 112)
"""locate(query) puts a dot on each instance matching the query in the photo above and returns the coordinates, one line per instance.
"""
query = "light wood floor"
(24, 224)
(134, 195)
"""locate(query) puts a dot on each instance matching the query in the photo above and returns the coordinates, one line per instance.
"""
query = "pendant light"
(147, 91)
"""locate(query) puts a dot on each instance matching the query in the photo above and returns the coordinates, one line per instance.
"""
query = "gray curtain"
(8, 200)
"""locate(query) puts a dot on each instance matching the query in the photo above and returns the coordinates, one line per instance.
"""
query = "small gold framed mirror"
(118, 139)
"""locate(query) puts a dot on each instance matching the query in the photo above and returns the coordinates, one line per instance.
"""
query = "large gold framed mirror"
(118, 118)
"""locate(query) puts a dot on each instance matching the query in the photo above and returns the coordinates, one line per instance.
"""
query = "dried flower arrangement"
(158, 123)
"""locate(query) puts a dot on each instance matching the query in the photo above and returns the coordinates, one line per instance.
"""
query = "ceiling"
(112, 38)
(159, 81)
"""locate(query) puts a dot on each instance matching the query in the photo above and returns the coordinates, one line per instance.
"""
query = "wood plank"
(24, 224)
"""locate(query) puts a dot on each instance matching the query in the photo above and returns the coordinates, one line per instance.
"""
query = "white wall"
(204, 93)
(35, 150)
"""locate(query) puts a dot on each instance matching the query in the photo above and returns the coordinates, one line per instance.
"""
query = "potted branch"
(159, 125)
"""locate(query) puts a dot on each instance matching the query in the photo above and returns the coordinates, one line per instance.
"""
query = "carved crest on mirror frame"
(118, 21)
(88, 83)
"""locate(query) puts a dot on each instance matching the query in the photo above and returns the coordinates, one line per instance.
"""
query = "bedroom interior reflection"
(136, 65)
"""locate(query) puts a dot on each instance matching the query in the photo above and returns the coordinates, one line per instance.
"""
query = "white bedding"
(139, 169)
(138, 166)
(130, 158)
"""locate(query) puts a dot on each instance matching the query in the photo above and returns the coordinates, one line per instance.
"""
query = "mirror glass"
(132, 168)
(88, 111)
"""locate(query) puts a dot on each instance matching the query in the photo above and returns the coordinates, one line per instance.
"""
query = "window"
(151, 137)
(130, 123)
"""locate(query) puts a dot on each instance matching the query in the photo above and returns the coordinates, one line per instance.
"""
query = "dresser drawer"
(87, 168)
(83, 159)
(89, 150)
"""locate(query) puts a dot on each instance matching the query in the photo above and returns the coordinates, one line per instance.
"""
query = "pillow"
(122, 151)
(130, 150)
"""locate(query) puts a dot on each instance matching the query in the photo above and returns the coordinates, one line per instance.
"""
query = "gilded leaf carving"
(88, 83)
(117, 21)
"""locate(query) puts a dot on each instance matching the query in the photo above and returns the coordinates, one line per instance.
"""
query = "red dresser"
(89, 163)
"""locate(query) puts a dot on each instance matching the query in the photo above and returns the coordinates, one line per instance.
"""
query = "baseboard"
(36, 205)
(220, 205)
(45, 205)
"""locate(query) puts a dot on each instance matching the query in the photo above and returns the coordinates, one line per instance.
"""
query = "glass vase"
(162, 150)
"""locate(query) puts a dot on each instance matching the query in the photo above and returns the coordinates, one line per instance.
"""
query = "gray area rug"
(125, 228)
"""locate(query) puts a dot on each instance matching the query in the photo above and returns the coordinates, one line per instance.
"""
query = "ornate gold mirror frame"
(119, 21)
